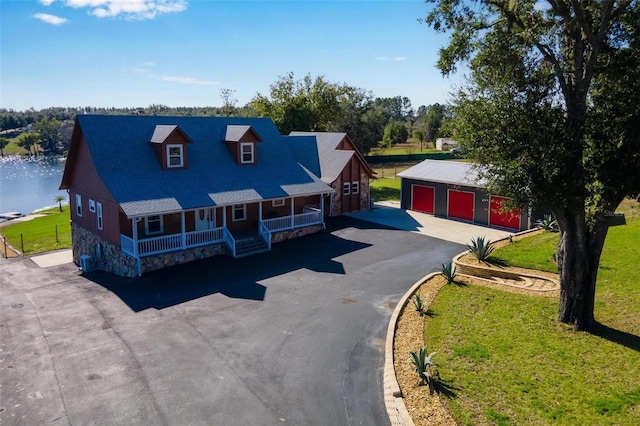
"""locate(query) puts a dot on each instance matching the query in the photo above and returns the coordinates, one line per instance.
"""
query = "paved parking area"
(294, 336)
(389, 213)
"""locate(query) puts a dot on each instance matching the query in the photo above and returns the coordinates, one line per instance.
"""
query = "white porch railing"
(231, 242)
(299, 220)
(173, 242)
(264, 233)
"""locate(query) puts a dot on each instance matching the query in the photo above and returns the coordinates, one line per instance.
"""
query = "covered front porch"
(241, 229)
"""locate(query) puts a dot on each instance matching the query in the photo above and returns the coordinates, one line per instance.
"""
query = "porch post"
(184, 234)
(134, 227)
(259, 211)
(224, 216)
(293, 201)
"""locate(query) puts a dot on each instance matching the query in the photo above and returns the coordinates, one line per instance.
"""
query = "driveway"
(294, 336)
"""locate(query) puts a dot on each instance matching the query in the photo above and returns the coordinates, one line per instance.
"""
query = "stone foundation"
(295, 233)
(109, 258)
(159, 261)
(105, 256)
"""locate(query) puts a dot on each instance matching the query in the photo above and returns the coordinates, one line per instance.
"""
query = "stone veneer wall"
(159, 261)
(364, 191)
(109, 258)
(295, 233)
(105, 256)
(336, 198)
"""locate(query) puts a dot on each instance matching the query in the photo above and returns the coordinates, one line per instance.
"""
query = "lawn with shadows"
(513, 363)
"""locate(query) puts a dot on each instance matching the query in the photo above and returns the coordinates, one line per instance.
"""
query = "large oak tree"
(551, 110)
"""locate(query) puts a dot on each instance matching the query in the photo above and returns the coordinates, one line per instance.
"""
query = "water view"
(29, 184)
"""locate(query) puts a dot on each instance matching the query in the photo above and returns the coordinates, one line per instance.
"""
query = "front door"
(205, 219)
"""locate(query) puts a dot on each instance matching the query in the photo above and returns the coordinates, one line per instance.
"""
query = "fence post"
(21, 243)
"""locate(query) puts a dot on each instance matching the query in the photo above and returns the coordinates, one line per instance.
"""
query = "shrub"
(480, 248)
(548, 223)
(422, 365)
(418, 303)
(449, 272)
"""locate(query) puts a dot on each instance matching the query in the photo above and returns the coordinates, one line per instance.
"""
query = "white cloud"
(131, 9)
(50, 19)
(46, 2)
(396, 58)
(185, 80)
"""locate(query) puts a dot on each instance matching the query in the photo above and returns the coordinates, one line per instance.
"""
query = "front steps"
(248, 246)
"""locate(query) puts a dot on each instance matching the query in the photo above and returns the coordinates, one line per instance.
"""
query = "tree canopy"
(552, 110)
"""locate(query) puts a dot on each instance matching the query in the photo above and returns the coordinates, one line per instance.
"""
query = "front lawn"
(385, 189)
(39, 234)
(504, 359)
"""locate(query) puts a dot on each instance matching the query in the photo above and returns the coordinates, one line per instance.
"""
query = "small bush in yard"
(422, 365)
(480, 248)
(548, 223)
(449, 272)
(418, 303)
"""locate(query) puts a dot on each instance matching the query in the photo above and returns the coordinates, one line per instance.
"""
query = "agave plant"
(449, 272)
(547, 223)
(418, 303)
(480, 248)
(422, 364)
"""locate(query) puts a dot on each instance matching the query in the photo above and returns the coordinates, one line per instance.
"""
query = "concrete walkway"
(390, 214)
(54, 258)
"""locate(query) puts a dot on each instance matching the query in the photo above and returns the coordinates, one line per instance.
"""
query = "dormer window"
(242, 141)
(170, 145)
(175, 157)
(246, 150)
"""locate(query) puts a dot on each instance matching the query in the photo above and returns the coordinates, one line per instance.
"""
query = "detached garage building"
(453, 189)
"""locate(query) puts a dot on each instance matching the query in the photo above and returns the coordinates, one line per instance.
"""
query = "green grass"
(504, 359)
(534, 252)
(39, 234)
(385, 189)
(13, 149)
(404, 151)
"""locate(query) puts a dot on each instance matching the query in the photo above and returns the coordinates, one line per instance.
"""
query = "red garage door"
(422, 199)
(507, 219)
(461, 204)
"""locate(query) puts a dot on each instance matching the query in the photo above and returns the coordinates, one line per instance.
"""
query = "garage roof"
(451, 172)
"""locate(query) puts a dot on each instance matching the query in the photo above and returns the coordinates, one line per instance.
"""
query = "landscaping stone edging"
(397, 411)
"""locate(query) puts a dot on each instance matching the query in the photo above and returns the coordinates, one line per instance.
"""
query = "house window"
(100, 223)
(346, 188)
(174, 156)
(355, 187)
(153, 225)
(79, 205)
(92, 206)
(246, 153)
(239, 212)
(278, 202)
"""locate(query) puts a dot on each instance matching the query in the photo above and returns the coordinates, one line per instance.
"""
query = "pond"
(29, 183)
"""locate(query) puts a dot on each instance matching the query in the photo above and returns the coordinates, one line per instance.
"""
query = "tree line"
(306, 104)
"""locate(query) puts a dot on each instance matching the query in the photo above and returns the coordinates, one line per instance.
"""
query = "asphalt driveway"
(294, 336)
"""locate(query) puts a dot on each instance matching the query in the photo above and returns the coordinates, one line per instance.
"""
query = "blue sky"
(134, 53)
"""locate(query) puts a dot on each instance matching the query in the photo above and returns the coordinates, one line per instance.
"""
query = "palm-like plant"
(418, 303)
(59, 199)
(422, 364)
(548, 223)
(448, 271)
(480, 248)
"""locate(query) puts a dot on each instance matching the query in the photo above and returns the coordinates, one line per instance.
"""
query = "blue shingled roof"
(127, 164)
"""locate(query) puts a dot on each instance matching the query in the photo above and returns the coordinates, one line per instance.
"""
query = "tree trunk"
(578, 256)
